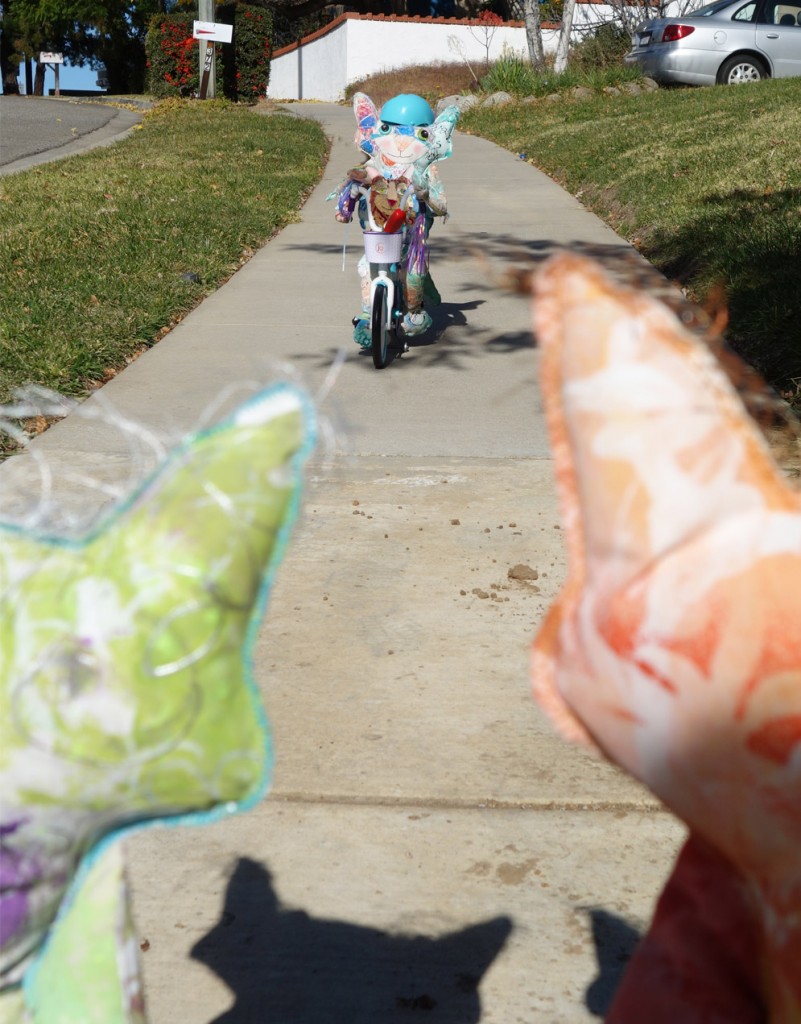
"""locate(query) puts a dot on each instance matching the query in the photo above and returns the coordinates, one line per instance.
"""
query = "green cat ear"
(449, 115)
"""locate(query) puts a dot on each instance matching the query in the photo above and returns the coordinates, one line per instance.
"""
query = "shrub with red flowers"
(172, 56)
(243, 66)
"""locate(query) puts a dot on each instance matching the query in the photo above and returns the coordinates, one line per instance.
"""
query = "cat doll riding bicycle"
(398, 187)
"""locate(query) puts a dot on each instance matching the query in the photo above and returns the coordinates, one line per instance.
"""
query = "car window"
(745, 13)
(715, 8)
(785, 14)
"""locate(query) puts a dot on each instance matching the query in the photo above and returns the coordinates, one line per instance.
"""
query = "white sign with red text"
(213, 31)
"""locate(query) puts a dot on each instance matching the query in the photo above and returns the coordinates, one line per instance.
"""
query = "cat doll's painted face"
(395, 150)
(398, 146)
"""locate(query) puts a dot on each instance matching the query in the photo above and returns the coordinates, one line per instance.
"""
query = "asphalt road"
(35, 129)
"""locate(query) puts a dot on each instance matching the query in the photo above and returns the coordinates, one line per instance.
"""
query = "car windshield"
(709, 9)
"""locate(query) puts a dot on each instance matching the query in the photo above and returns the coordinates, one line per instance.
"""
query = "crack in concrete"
(440, 803)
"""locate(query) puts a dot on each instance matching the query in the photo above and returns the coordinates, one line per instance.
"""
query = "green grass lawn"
(102, 252)
(705, 182)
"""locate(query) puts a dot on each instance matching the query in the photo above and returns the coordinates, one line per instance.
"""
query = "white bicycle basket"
(382, 248)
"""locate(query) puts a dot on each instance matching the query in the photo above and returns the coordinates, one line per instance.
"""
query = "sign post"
(56, 60)
(208, 71)
(205, 13)
(209, 33)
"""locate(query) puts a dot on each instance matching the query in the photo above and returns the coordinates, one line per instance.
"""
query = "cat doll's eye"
(422, 133)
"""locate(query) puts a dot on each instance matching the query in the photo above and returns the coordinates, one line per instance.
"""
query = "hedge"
(246, 65)
(242, 67)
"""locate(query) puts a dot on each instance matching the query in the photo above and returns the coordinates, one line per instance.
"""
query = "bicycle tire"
(380, 328)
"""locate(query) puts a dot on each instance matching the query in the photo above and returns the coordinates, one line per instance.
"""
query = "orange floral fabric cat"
(675, 646)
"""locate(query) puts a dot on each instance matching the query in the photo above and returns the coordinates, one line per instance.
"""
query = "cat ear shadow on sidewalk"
(615, 942)
(285, 965)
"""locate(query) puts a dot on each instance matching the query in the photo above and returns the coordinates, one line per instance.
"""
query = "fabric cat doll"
(674, 647)
(402, 145)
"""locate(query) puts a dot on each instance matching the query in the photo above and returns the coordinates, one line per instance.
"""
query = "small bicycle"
(384, 252)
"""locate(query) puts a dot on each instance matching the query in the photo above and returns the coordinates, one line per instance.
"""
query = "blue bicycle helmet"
(407, 109)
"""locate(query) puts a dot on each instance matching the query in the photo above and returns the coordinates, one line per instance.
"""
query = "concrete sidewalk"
(429, 843)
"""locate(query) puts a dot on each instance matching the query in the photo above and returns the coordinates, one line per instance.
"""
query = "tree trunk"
(39, 80)
(10, 82)
(9, 67)
(563, 46)
(531, 16)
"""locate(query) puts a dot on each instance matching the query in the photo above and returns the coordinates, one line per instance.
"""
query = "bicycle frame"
(386, 278)
(386, 311)
(386, 286)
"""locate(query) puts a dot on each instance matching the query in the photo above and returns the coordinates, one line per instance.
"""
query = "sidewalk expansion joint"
(643, 806)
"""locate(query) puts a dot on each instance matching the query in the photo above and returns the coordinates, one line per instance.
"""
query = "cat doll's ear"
(366, 120)
(440, 143)
(449, 116)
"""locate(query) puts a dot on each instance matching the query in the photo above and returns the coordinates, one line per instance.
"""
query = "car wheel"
(739, 70)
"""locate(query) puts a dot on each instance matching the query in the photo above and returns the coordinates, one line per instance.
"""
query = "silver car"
(726, 43)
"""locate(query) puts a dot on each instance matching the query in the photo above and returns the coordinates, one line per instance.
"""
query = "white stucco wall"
(386, 45)
(315, 71)
(320, 68)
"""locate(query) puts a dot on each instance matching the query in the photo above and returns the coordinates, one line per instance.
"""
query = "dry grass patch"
(433, 82)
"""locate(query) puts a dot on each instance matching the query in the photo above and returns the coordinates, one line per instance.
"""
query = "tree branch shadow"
(496, 259)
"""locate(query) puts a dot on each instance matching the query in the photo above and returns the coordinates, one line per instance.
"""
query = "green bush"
(513, 74)
(246, 62)
(551, 11)
(243, 66)
(605, 48)
(286, 30)
(595, 63)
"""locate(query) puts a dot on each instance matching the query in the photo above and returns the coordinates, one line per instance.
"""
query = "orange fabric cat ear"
(651, 444)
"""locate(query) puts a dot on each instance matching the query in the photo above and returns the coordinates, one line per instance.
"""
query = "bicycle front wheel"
(380, 326)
